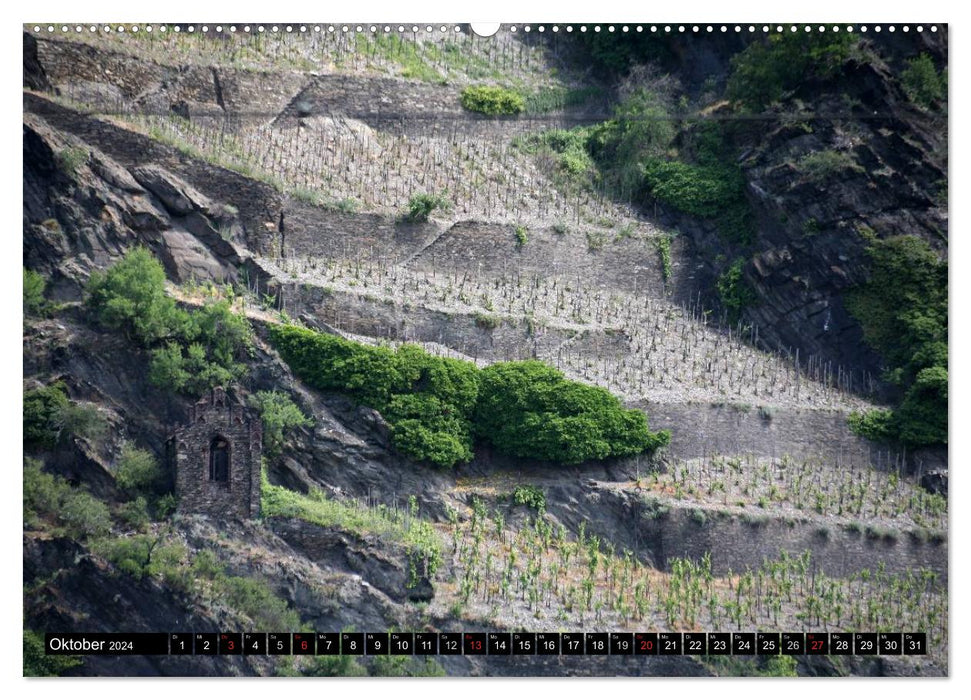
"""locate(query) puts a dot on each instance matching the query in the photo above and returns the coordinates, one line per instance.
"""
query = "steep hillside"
(187, 197)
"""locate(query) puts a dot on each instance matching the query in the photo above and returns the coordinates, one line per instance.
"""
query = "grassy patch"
(420, 539)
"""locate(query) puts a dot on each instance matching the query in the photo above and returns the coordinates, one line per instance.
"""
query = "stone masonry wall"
(218, 416)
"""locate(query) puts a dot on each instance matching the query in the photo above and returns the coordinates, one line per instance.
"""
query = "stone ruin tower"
(217, 457)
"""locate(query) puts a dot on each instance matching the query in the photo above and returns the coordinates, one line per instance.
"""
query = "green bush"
(421, 206)
(190, 351)
(426, 399)
(137, 471)
(279, 414)
(529, 409)
(922, 82)
(84, 515)
(769, 68)
(492, 100)
(81, 420)
(131, 297)
(70, 159)
(531, 496)
(820, 166)
(436, 406)
(44, 493)
(902, 309)
(50, 416)
(734, 291)
(135, 513)
(522, 237)
(41, 408)
(38, 663)
(34, 302)
(877, 424)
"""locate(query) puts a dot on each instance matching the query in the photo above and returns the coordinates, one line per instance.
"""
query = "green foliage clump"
(903, 312)
(734, 291)
(426, 399)
(492, 100)
(43, 493)
(433, 403)
(34, 302)
(705, 182)
(522, 238)
(767, 69)
(820, 166)
(922, 82)
(531, 496)
(641, 130)
(529, 409)
(49, 417)
(137, 471)
(573, 165)
(70, 159)
(41, 408)
(84, 515)
(279, 414)
(131, 297)
(38, 663)
(877, 424)
(190, 351)
(421, 206)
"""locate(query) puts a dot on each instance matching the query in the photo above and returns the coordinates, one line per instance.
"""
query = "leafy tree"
(769, 68)
(85, 516)
(41, 408)
(279, 414)
(902, 309)
(137, 471)
(921, 81)
(131, 296)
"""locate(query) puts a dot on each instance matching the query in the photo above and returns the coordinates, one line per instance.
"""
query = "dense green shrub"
(43, 493)
(437, 406)
(568, 149)
(137, 471)
(135, 513)
(492, 100)
(902, 309)
(426, 399)
(190, 351)
(279, 414)
(705, 182)
(734, 291)
(49, 416)
(922, 82)
(768, 68)
(529, 409)
(84, 515)
(877, 424)
(421, 206)
(531, 496)
(37, 662)
(41, 408)
(34, 302)
(131, 297)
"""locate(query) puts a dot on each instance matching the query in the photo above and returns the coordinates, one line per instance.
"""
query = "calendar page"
(448, 349)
